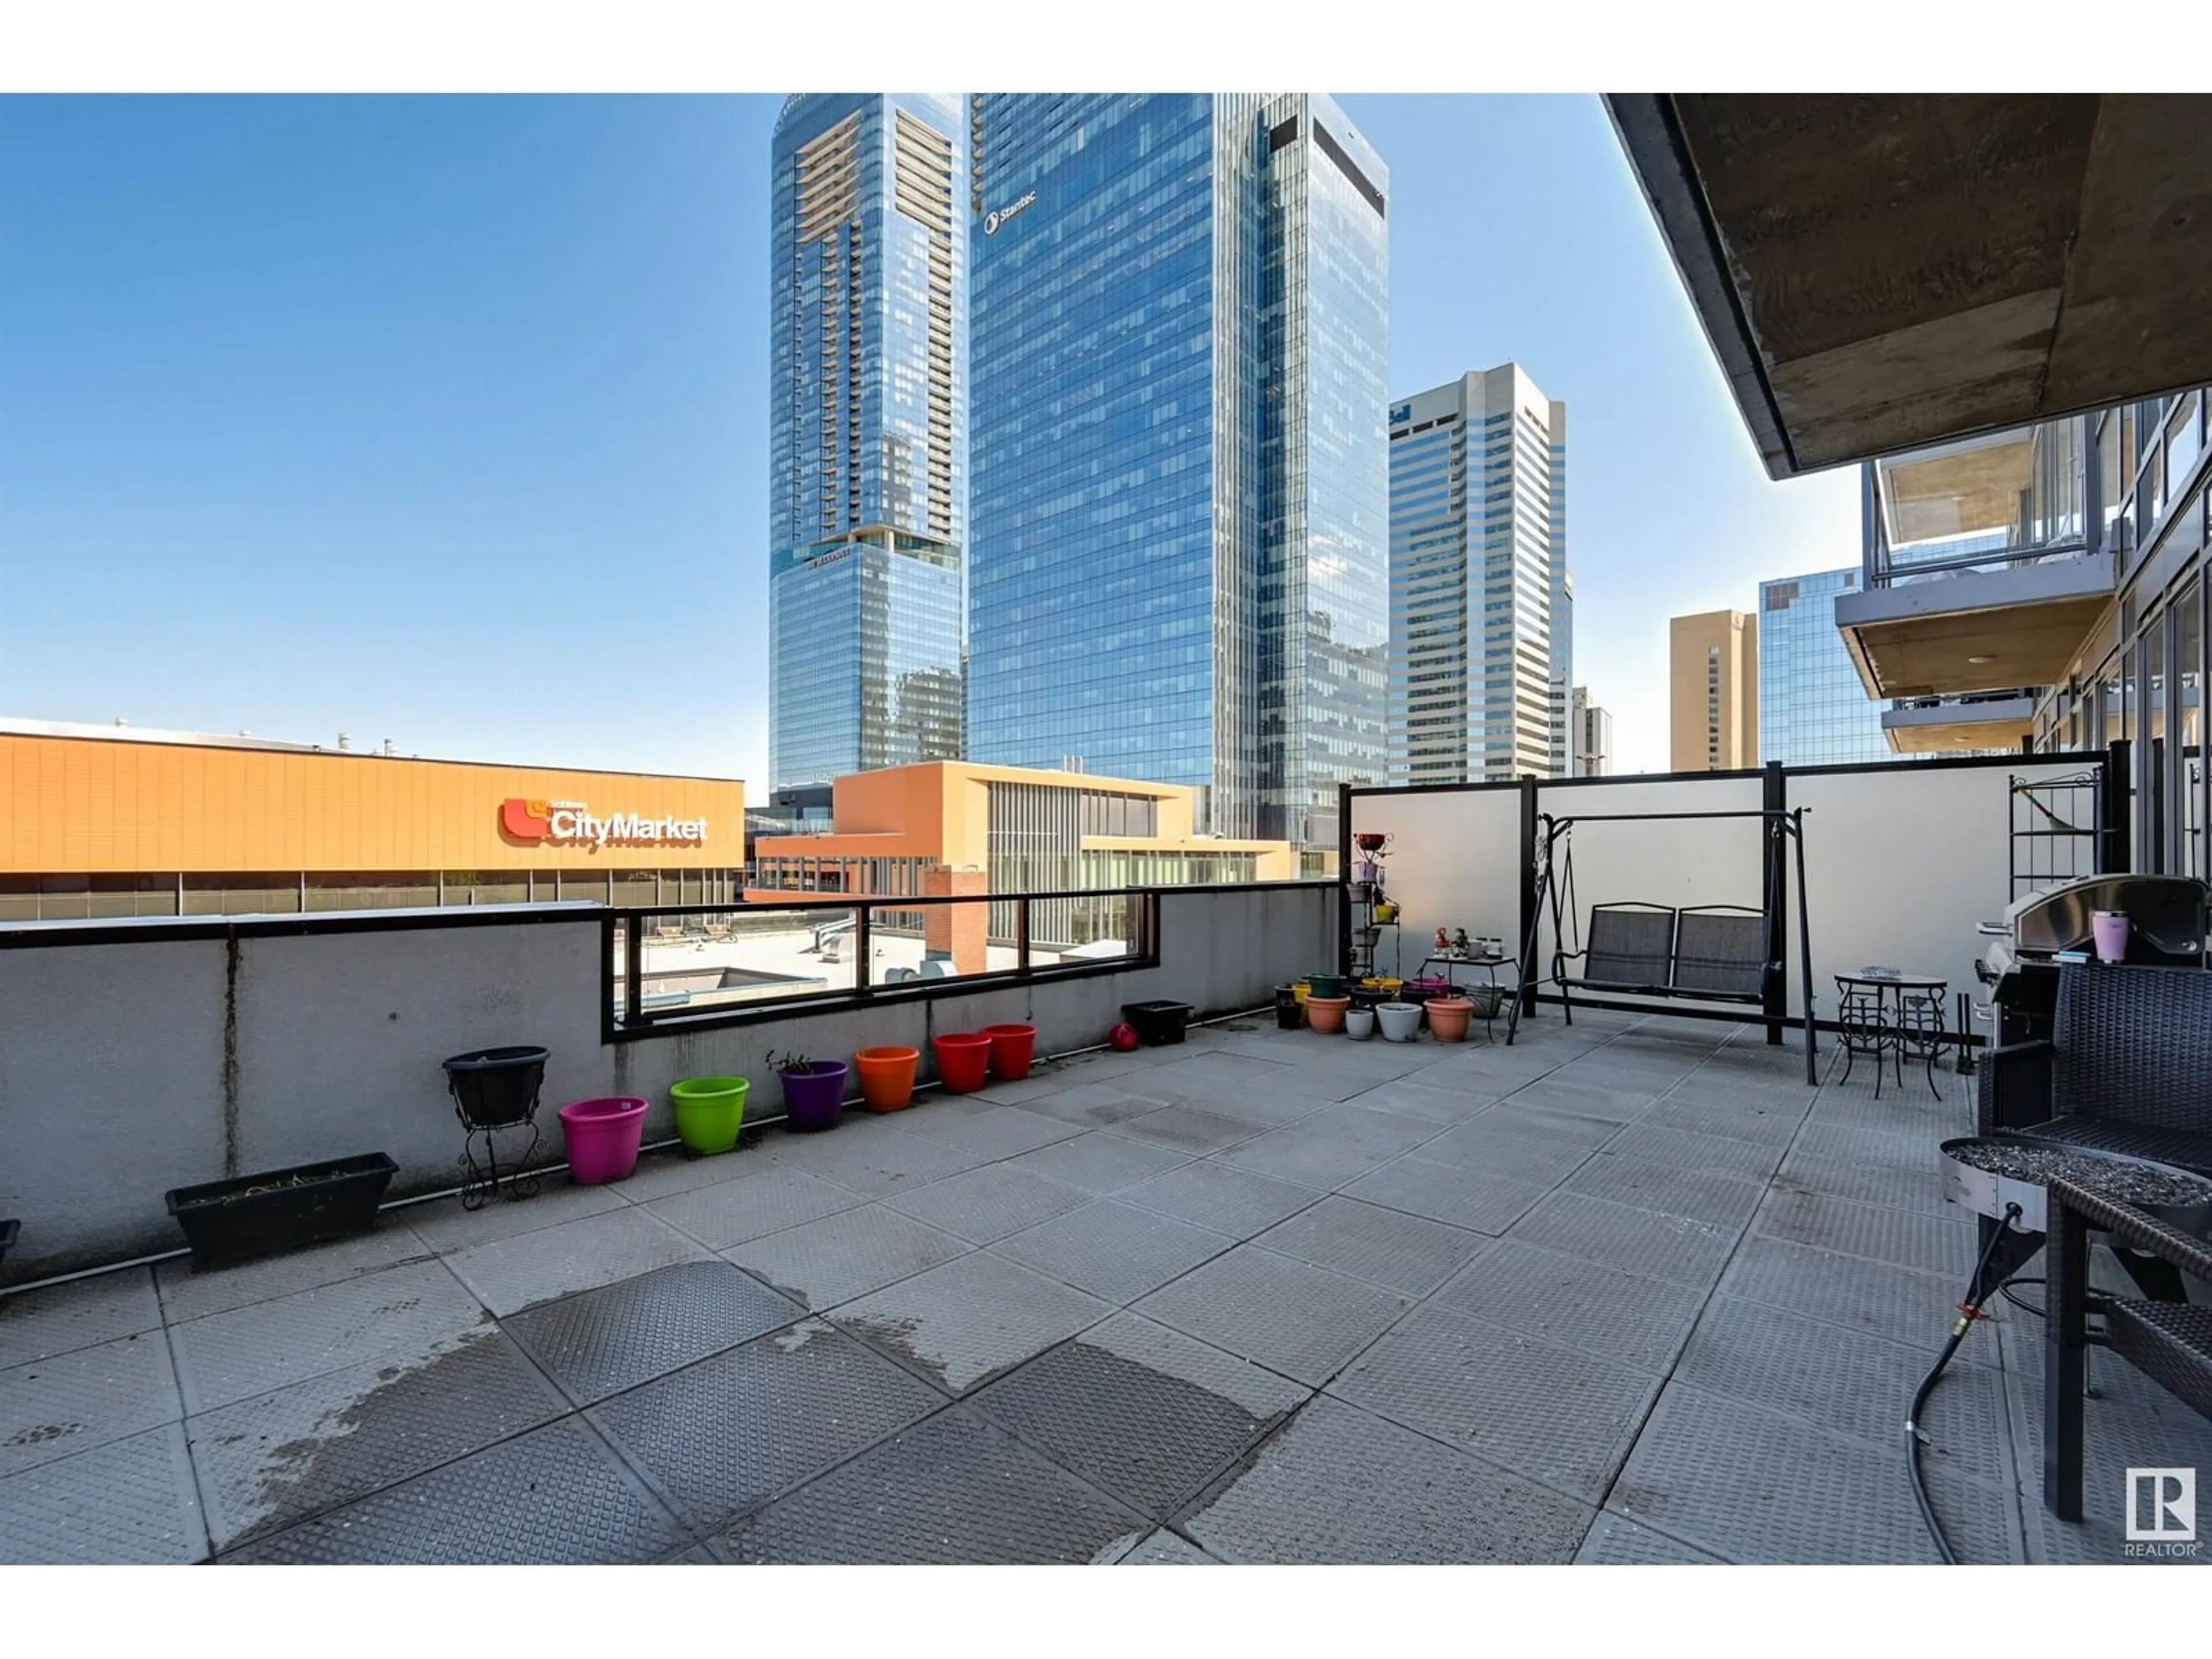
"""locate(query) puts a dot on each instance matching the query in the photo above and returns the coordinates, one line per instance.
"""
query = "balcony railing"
(675, 966)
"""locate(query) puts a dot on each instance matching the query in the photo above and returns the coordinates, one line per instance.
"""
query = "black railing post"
(1022, 936)
(1343, 878)
(863, 953)
(1526, 990)
(609, 1016)
(2113, 850)
(1804, 938)
(634, 968)
(1775, 999)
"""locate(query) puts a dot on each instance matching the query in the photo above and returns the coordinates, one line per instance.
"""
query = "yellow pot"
(1302, 990)
(1386, 911)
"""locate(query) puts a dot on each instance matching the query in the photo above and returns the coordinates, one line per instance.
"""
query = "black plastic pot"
(7, 1231)
(1288, 1015)
(1156, 1023)
(226, 1221)
(494, 1087)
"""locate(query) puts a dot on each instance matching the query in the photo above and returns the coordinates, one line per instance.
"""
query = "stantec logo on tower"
(571, 823)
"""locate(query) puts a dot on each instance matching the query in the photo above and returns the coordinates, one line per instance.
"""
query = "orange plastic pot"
(1013, 1048)
(963, 1060)
(1448, 1018)
(1326, 1014)
(887, 1077)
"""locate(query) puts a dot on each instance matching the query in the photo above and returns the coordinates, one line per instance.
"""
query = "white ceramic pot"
(1400, 1021)
(1359, 1023)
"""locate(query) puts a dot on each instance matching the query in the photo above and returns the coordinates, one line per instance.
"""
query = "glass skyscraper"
(867, 437)
(1482, 600)
(1812, 709)
(1180, 487)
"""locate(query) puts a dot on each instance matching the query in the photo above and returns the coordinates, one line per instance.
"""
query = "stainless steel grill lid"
(2166, 911)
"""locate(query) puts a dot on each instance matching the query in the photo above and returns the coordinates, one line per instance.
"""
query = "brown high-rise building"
(1712, 674)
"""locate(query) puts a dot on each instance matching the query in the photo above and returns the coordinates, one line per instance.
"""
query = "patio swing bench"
(1708, 952)
(1698, 953)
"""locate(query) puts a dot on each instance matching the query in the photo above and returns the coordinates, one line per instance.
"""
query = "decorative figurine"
(1442, 944)
(1459, 942)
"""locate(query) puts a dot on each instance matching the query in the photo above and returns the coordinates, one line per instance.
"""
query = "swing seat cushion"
(1720, 953)
(1649, 950)
(1631, 948)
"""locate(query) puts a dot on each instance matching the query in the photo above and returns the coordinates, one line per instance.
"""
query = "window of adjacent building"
(2153, 766)
(2189, 727)
(2184, 439)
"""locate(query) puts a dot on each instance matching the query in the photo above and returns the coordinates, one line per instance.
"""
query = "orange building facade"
(102, 821)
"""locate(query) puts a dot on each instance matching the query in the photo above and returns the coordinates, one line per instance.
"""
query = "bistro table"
(1885, 1011)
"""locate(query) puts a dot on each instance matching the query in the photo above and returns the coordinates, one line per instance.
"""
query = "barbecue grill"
(2167, 916)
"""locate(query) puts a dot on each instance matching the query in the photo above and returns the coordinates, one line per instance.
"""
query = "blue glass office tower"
(867, 438)
(1182, 489)
(1813, 709)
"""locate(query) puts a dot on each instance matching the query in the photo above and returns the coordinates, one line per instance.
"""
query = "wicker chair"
(2128, 1068)
(2170, 1342)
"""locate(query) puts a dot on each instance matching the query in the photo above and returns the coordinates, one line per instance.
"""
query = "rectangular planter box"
(1156, 1023)
(226, 1221)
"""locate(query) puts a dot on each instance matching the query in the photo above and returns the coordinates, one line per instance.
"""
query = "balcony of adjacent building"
(1626, 1287)
(1988, 302)
(1979, 577)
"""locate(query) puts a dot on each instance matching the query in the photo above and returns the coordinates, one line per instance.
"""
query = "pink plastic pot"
(602, 1137)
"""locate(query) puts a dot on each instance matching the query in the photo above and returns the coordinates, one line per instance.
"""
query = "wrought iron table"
(1898, 1014)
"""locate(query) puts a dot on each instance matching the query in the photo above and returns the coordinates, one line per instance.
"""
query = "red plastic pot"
(1012, 1048)
(963, 1060)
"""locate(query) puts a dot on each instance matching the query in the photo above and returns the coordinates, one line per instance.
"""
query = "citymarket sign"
(573, 824)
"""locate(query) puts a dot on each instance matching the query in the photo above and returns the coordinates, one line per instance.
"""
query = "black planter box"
(1156, 1023)
(226, 1221)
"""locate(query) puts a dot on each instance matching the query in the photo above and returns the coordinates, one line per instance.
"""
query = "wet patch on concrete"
(275, 1459)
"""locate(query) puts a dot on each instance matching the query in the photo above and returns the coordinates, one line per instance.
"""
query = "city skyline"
(332, 436)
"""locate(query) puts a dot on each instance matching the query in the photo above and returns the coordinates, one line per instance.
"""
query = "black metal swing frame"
(1715, 970)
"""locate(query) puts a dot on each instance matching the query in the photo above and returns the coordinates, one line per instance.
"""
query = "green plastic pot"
(709, 1112)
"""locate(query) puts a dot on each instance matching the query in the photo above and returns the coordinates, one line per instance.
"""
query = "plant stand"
(1364, 943)
(493, 1089)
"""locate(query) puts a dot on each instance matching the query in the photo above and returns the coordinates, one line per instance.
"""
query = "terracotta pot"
(1326, 1014)
(1448, 1018)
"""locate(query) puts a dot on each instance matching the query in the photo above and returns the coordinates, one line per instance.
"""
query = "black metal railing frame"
(622, 933)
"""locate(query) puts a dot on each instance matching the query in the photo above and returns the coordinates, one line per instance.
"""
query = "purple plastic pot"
(815, 1098)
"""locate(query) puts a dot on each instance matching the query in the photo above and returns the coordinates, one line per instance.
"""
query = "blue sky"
(445, 420)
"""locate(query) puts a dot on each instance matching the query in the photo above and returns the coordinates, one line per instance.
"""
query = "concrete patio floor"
(1629, 1292)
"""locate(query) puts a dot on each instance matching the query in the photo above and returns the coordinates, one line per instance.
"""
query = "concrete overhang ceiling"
(1877, 273)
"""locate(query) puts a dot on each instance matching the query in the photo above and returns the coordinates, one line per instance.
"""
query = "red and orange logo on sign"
(573, 823)
(526, 820)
